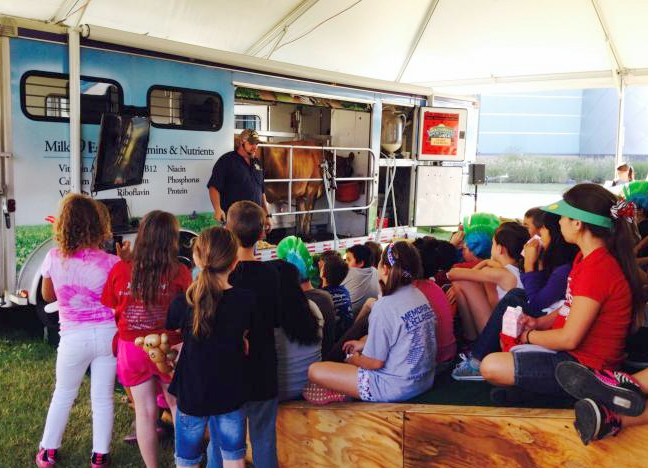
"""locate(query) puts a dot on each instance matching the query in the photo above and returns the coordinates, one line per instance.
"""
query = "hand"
(531, 252)
(124, 251)
(353, 346)
(528, 322)
(457, 238)
(219, 215)
(451, 295)
(267, 225)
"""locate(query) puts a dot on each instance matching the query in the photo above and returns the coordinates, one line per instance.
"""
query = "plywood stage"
(369, 435)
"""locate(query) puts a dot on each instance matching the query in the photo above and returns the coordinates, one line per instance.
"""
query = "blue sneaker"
(467, 369)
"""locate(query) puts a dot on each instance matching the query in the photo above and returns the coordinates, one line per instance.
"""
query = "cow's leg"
(311, 195)
(299, 206)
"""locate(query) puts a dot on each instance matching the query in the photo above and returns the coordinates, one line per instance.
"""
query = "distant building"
(567, 122)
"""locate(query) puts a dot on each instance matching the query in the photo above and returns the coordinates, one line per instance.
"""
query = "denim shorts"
(190, 433)
(535, 371)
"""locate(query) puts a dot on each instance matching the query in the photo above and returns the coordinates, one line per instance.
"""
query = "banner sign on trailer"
(440, 133)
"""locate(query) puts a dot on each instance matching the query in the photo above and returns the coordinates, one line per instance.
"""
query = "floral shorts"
(363, 385)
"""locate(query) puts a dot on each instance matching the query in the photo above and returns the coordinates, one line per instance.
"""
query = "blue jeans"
(262, 418)
(488, 340)
(190, 430)
(535, 372)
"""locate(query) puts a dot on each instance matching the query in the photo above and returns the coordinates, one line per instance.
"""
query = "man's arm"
(266, 207)
(214, 196)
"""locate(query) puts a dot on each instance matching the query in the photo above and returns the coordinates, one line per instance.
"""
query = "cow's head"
(344, 165)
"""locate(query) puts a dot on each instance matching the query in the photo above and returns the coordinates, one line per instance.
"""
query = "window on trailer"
(185, 109)
(46, 96)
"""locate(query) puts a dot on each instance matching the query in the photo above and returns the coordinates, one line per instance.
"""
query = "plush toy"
(159, 351)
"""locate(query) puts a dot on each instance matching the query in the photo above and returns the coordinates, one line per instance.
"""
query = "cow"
(306, 165)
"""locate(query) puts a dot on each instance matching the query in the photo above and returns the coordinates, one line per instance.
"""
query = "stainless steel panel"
(438, 196)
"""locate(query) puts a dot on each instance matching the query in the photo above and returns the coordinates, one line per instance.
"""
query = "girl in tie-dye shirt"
(74, 274)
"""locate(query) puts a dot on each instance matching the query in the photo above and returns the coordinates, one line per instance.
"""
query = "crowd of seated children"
(446, 342)
(479, 289)
(362, 278)
(602, 301)
(397, 359)
(547, 262)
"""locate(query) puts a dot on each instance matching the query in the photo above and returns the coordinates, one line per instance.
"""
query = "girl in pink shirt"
(74, 274)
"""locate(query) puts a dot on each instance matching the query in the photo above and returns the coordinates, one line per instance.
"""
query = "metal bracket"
(6, 155)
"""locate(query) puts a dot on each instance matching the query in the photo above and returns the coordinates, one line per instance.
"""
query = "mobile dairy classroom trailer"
(46, 79)
(196, 106)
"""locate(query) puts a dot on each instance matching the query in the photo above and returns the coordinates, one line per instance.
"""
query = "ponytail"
(215, 248)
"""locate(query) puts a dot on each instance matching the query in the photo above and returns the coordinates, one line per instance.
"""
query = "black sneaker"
(616, 390)
(595, 421)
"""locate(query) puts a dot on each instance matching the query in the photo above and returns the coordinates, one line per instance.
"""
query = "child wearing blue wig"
(480, 288)
(475, 238)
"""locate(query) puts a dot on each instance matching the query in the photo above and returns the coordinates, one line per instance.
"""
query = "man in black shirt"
(238, 175)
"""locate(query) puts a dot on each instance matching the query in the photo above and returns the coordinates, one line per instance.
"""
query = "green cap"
(563, 208)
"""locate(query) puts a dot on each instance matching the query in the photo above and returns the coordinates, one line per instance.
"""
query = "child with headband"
(396, 360)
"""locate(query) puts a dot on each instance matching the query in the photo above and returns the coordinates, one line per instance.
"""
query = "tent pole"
(75, 109)
(620, 136)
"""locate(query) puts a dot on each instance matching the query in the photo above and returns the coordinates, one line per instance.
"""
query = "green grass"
(28, 238)
(27, 381)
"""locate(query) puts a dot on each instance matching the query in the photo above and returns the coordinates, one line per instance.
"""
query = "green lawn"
(27, 382)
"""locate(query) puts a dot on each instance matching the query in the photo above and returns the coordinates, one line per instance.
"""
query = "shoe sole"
(588, 420)
(581, 383)
(472, 378)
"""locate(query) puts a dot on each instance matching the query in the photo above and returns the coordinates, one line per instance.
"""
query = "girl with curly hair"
(74, 273)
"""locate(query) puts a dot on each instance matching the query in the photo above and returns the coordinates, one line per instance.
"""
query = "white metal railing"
(334, 149)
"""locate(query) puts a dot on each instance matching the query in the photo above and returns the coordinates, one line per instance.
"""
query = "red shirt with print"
(134, 318)
(599, 277)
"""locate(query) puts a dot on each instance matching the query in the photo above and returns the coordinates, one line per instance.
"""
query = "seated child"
(362, 279)
(480, 288)
(332, 272)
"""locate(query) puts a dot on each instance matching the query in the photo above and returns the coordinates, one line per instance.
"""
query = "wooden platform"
(369, 435)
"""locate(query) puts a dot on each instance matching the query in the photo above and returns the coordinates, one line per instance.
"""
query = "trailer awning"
(456, 46)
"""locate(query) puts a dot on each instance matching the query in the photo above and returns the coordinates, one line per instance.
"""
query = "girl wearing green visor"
(602, 301)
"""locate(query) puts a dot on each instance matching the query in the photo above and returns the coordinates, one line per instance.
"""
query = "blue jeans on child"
(262, 418)
(488, 340)
(228, 428)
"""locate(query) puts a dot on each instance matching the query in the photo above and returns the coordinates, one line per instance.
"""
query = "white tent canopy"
(457, 46)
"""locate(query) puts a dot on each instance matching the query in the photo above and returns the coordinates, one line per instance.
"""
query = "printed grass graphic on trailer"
(30, 237)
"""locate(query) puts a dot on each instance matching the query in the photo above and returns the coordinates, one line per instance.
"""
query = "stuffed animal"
(159, 351)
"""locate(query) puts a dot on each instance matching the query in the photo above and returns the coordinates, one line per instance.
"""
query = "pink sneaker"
(99, 460)
(46, 458)
(317, 395)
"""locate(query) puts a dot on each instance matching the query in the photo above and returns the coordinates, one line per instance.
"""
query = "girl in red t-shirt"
(140, 291)
(602, 300)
